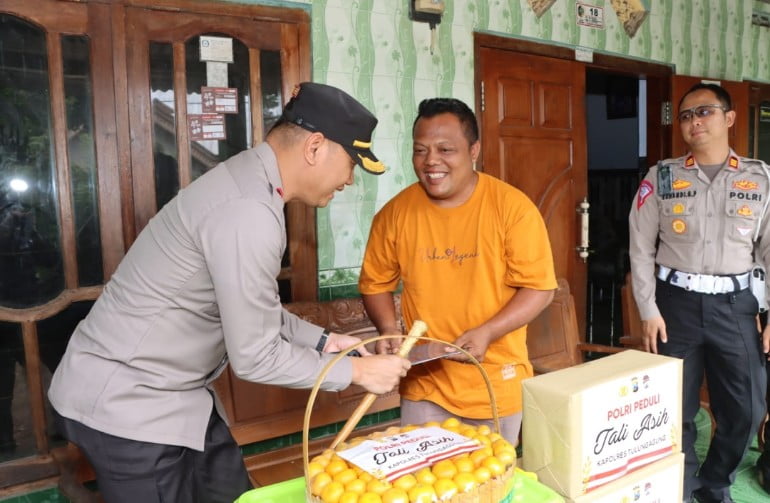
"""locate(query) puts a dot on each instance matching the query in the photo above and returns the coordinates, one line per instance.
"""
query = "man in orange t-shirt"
(473, 255)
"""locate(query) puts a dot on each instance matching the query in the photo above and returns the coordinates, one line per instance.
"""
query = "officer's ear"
(730, 118)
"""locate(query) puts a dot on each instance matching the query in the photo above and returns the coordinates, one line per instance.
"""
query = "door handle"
(582, 209)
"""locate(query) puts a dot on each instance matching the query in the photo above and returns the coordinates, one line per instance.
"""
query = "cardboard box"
(588, 425)
(659, 482)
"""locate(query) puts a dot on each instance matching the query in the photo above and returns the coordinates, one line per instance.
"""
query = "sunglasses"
(701, 111)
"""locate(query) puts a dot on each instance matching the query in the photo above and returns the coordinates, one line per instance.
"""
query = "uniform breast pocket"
(678, 222)
(741, 221)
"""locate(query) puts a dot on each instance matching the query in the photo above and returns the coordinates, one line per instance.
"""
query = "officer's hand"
(766, 341)
(651, 329)
(341, 342)
(380, 373)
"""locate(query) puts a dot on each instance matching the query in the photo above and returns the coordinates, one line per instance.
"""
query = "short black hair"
(435, 106)
(722, 95)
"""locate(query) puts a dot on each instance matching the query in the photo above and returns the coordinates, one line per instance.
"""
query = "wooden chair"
(560, 345)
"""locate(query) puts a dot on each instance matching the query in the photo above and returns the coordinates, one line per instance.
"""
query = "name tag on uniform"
(664, 180)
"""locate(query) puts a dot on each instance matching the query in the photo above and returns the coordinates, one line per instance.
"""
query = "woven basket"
(495, 490)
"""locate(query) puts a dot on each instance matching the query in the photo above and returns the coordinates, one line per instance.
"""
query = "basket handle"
(342, 354)
(419, 329)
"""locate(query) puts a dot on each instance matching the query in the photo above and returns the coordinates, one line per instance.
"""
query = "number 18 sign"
(590, 15)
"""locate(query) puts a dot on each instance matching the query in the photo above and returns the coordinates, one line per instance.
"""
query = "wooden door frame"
(758, 92)
(658, 78)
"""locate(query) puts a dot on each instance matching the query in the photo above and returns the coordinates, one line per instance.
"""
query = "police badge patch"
(645, 191)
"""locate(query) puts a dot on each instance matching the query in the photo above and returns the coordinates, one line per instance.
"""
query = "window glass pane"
(206, 154)
(13, 443)
(53, 334)
(163, 122)
(78, 97)
(31, 270)
(272, 102)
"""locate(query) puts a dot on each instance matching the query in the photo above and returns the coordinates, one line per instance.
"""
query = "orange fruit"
(506, 457)
(336, 466)
(484, 429)
(377, 486)
(370, 498)
(332, 492)
(495, 466)
(445, 488)
(466, 482)
(319, 482)
(425, 476)
(444, 469)
(321, 460)
(357, 486)
(422, 494)
(313, 469)
(349, 497)
(395, 495)
(431, 423)
(409, 427)
(464, 464)
(480, 455)
(482, 474)
(450, 422)
(405, 482)
(345, 476)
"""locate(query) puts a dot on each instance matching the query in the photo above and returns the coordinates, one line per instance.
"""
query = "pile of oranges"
(333, 480)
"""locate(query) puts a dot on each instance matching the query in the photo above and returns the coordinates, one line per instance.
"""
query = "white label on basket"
(396, 455)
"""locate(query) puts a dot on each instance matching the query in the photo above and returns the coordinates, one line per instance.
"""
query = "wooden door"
(759, 121)
(739, 92)
(533, 136)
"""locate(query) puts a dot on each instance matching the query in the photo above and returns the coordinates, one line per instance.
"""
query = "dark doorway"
(616, 156)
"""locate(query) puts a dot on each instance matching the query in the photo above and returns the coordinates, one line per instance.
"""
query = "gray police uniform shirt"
(705, 227)
(198, 287)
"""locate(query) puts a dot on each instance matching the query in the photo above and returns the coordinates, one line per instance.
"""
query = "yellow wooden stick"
(419, 328)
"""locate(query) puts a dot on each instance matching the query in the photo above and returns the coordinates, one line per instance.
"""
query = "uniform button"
(708, 241)
(710, 215)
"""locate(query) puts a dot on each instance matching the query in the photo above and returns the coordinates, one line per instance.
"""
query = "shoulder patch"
(645, 191)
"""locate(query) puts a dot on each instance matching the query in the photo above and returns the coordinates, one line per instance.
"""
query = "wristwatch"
(322, 341)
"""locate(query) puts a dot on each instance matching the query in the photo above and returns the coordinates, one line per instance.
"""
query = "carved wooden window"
(93, 139)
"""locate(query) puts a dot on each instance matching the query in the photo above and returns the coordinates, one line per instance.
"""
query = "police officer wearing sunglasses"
(696, 228)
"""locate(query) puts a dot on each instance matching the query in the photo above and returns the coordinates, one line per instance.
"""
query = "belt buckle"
(708, 284)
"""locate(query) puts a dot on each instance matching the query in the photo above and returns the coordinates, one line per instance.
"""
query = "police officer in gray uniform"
(696, 228)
